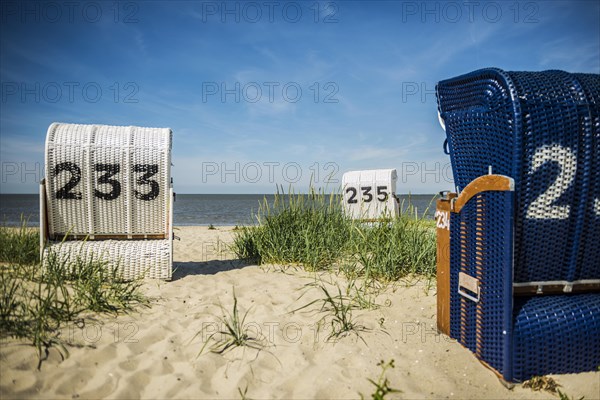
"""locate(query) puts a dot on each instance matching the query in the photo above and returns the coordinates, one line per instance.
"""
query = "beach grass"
(337, 309)
(37, 301)
(20, 245)
(312, 230)
(548, 384)
(234, 332)
(564, 396)
(538, 383)
(308, 230)
(382, 384)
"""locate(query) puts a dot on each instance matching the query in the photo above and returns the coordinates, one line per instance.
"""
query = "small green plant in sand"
(338, 312)
(364, 293)
(564, 396)
(547, 384)
(243, 393)
(382, 385)
(538, 383)
(234, 334)
(211, 227)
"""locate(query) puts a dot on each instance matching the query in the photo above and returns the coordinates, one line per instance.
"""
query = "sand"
(153, 353)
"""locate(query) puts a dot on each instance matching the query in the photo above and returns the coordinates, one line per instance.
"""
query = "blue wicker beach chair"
(107, 194)
(523, 287)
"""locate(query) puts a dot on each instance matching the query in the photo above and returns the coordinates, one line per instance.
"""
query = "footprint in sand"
(141, 343)
(129, 365)
(164, 367)
(72, 382)
(19, 384)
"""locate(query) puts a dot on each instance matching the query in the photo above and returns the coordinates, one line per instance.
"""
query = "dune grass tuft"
(337, 309)
(234, 332)
(298, 229)
(312, 230)
(19, 245)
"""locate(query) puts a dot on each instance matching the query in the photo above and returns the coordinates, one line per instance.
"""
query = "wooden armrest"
(484, 183)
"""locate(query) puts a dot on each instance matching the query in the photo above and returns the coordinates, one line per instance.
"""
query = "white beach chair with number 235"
(370, 195)
(108, 195)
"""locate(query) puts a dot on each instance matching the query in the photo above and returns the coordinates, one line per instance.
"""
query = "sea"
(192, 209)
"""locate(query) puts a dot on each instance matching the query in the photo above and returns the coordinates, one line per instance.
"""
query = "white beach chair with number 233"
(108, 195)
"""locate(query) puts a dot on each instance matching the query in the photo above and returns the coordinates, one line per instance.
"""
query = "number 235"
(367, 196)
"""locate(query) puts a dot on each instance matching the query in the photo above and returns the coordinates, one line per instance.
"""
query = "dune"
(154, 352)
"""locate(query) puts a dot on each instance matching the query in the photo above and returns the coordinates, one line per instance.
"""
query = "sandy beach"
(154, 353)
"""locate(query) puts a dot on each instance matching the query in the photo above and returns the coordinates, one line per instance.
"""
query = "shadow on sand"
(190, 268)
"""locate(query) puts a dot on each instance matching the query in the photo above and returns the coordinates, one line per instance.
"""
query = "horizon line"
(237, 194)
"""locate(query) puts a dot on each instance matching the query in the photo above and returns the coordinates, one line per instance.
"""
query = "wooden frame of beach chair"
(370, 195)
(108, 195)
(518, 253)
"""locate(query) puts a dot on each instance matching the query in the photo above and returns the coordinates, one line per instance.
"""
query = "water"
(190, 209)
(12, 206)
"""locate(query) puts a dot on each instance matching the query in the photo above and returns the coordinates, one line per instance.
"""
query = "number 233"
(108, 171)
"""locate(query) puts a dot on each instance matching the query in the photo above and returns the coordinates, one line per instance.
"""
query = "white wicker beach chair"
(370, 195)
(108, 194)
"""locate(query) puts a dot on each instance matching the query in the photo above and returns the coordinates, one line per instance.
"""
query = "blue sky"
(264, 93)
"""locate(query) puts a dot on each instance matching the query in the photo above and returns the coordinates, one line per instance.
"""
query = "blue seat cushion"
(556, 335)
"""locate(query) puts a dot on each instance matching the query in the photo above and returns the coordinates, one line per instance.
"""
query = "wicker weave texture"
(519, 337)
(556, 335)
(133, 258)
(106, 180)
(480, 122)
(588, 256)
(481, 247)
(540, 128)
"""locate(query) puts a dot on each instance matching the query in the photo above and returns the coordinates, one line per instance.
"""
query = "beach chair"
(370, 195)
(519, 243)
(107, 194)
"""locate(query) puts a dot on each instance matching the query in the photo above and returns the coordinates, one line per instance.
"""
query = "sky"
(266, 93)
